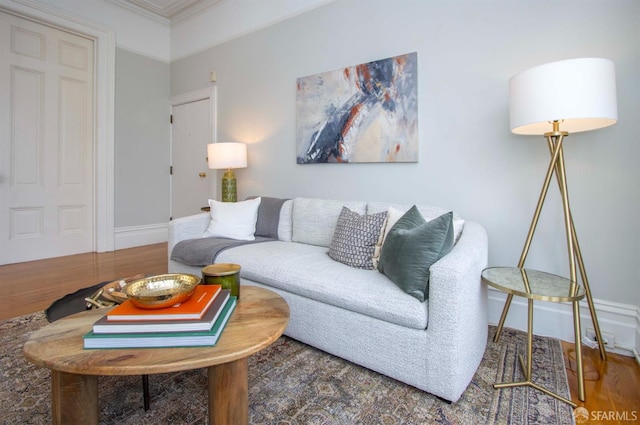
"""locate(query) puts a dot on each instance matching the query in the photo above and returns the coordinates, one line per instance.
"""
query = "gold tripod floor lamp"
(564, 97)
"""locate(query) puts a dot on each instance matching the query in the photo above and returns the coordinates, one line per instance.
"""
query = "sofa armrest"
(190, 227)
(456, 277)
(458, 303)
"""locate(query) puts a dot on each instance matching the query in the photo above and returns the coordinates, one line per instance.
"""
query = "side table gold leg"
(528, 366)
(229, 393)
(529, 340)
(554, 395)
(74, 398)
(503, 317)
(578, 345)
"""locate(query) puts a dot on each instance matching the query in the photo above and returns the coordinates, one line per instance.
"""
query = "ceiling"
(165, 11)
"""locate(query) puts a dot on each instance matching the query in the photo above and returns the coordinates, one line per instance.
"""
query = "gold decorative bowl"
(114, 291)
(161, 291)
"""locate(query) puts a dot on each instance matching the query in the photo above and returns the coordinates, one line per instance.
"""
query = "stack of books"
(197, 322)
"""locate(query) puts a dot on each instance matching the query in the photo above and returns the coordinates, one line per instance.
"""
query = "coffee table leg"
(74, 398)
(229, 393)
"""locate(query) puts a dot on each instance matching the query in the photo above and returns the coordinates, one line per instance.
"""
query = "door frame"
(104, 101)
(209, 93)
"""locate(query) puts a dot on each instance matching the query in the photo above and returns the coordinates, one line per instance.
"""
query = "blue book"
(163, 339)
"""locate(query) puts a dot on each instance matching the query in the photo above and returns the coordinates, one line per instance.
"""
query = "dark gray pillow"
(354, 240)
(411, 247)
(268, 216)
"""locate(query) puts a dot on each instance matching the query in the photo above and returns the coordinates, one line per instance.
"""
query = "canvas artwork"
(362, 113)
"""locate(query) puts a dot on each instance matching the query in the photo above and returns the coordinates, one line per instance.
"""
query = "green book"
(163, 339)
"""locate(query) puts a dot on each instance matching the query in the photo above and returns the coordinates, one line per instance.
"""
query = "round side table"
(541, 286)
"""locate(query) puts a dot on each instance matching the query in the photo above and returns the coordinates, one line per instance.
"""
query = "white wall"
(230, 19)
(469, 161)
(142, 136)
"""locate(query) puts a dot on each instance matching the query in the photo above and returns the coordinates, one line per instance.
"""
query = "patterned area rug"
(292, 383)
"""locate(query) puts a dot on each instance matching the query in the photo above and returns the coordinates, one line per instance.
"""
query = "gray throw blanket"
(203, 251)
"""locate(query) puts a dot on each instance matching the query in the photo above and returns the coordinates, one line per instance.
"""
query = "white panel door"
(46, 141)
(191, 179)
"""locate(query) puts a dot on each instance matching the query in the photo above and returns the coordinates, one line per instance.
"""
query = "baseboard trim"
(129, 237)
(556, 320)
(637, 346)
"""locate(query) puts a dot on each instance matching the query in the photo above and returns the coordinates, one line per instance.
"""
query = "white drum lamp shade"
(227, 155)
(578, 93)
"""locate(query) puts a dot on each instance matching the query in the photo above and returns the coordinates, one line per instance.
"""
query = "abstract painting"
(362, 113)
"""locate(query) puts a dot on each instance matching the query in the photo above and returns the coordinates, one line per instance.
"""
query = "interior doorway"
(103, 108)
(46, 141)
(193, 127)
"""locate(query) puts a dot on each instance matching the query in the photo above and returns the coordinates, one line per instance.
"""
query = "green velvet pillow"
(411, 247)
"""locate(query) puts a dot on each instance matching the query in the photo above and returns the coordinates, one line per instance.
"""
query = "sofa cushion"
(411, 247)
(285, 225)
(307, 270)
(355, 238)
(314, 220)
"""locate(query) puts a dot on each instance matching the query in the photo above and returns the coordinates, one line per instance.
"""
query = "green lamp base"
(229, 187)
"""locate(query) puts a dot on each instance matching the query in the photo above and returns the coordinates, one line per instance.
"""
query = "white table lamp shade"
(579, 93)
(228, 155)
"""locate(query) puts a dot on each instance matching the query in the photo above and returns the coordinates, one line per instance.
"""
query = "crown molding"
(175, 12)
(192, 10)
(141, 11)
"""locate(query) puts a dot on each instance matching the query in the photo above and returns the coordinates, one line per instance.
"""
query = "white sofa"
(360, 315)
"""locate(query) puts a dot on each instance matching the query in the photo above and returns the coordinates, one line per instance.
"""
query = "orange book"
(192, 309)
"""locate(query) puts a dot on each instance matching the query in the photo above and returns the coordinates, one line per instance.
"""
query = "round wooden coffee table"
(259, 319)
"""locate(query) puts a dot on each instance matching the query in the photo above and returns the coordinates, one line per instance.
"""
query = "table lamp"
(227, 156)
(554, 100)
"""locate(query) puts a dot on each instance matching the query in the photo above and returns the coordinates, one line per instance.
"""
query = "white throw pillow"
(233, 220)
(393, 215)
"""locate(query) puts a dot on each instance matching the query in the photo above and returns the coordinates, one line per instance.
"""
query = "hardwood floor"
(612, 387)
(32, 286)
